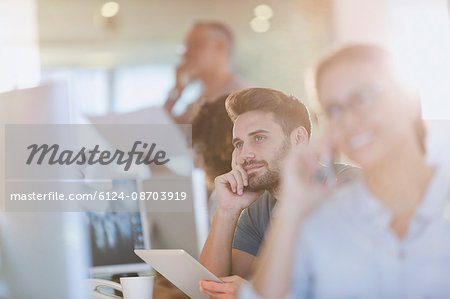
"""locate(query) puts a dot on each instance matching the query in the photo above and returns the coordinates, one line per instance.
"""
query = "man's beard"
(269, 180)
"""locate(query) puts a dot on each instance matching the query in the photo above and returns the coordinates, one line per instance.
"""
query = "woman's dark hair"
(212, 136)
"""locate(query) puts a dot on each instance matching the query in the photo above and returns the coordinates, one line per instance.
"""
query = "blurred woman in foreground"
(384, 236)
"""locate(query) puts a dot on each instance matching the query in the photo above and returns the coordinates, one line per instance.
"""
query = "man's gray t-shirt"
(255, 219)
(253, 223)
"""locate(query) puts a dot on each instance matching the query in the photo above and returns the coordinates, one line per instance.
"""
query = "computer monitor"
(115, 233)
(45, 104)
(43, 255)
(187, 229)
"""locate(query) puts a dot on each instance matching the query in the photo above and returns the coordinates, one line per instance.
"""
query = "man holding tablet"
(267, 124)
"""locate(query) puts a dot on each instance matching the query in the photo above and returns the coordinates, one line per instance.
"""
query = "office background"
(126, 62)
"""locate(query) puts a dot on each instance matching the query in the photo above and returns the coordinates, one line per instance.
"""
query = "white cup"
(137, 287)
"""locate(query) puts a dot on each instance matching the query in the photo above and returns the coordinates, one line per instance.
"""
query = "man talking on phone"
(267, 125)
(207, 58)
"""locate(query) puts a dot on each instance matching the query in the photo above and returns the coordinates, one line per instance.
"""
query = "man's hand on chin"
(227, 290)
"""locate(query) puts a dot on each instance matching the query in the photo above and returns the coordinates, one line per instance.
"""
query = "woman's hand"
(302, 188)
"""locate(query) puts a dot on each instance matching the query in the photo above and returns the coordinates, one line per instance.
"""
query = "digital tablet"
(179, 268)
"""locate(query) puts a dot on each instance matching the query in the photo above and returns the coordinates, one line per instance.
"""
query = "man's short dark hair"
(288, 111)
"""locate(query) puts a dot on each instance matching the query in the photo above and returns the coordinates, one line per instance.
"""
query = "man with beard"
(267, 124)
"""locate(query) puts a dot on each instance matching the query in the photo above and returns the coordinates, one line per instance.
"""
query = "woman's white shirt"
(347, 249)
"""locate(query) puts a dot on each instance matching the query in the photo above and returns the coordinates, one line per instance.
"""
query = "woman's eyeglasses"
(358, 102)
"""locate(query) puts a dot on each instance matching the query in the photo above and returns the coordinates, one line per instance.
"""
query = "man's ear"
(299, 136)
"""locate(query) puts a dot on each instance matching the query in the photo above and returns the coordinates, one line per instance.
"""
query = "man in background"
(207, 58)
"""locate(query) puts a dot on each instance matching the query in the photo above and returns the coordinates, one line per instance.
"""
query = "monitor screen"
(115, 234)
(186, 230)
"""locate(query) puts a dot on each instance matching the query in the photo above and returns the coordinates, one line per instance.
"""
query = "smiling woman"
(370, 238)
(370, 108)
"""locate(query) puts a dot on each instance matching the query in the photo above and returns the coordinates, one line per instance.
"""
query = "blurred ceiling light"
(263, 11)
(259, 25)
(110, 9)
